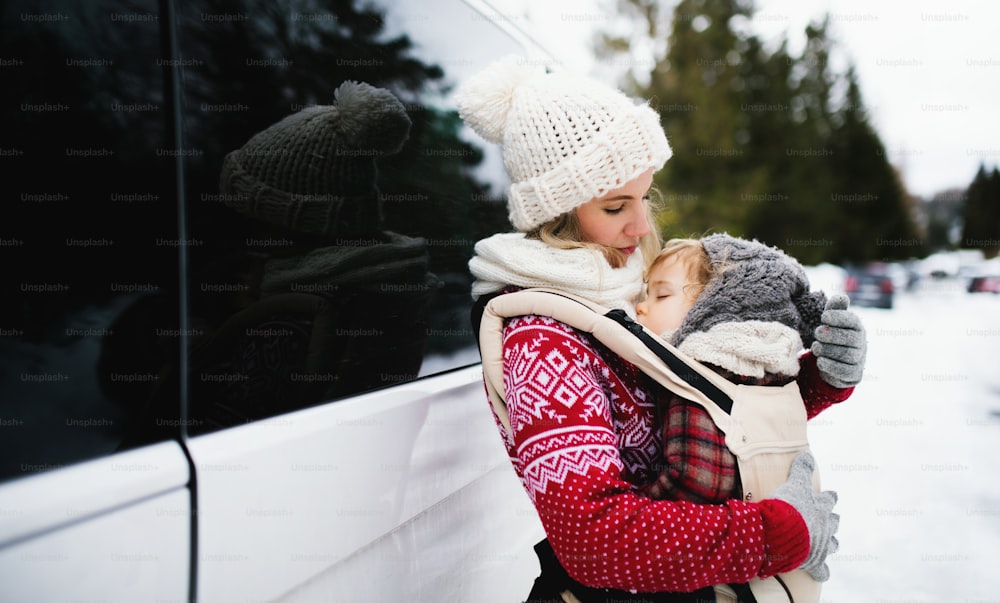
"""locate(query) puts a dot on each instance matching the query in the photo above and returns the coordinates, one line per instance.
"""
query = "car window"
(88, 231)
(333, 197)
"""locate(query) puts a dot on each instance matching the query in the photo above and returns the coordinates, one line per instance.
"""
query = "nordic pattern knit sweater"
(584, 438)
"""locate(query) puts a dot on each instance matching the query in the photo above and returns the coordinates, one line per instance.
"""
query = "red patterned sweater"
(584, 437)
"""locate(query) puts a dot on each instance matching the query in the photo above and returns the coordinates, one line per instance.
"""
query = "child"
(742, 308)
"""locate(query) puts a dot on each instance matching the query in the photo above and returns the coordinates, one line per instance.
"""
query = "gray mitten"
(816, 510)
(840, 345)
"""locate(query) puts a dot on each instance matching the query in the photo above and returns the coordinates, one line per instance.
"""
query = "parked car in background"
(216, 385)
(870, 285)
(986, 277)
(905, 275)
(984, 284)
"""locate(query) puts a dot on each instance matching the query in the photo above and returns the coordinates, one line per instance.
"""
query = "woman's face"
(618, 219)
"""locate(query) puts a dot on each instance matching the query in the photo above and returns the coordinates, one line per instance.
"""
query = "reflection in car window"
(332, 202)
(88, 230)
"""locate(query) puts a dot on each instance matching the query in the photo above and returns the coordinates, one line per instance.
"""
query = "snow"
(913, 454)
(826, 277)
(990, 267)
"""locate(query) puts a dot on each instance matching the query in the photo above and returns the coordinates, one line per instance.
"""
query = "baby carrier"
(764, 426)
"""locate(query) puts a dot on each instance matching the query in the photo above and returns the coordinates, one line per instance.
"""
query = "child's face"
(666, 303)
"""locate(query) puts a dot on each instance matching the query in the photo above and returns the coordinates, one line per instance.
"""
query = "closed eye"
(614, 210)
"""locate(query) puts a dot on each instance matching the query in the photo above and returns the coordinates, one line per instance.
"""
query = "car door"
(88, 226)
(177, 428)
(111, 529)
(340, 435)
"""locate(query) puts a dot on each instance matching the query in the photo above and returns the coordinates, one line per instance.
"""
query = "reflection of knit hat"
(314, 171)
(756, 314)
(566, 139)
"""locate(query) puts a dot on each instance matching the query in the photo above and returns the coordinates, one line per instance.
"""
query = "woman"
(582, 432)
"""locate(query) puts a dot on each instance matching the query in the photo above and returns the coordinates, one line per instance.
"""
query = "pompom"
(485, 100)
(370, 118)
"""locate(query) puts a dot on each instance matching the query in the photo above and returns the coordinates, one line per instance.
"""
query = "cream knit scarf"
(750, 348)
(511, 259)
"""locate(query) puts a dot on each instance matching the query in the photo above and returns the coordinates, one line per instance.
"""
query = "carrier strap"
(678, 366)
(765, 426)
(668, 366)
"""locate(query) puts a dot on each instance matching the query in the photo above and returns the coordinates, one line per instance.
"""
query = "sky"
(929, 71)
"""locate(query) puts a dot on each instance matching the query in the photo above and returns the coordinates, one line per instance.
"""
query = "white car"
(174, 426)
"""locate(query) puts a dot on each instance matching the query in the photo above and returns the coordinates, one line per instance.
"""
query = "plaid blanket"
(696, 465)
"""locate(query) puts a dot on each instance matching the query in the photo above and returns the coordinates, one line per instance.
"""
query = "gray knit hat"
(759, 297)
(314, 171)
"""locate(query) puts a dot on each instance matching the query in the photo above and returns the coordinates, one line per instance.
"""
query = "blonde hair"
(564, 232)
(691, 253)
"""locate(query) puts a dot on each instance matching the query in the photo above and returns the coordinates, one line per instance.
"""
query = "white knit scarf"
(750, 348)
(511, 259)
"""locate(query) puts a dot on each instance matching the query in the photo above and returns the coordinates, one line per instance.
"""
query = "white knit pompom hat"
(566, 139)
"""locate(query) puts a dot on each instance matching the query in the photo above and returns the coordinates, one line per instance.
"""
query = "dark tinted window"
(328, 247)
(310, 269)
(88, 233)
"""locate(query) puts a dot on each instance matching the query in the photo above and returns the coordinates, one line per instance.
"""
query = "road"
(915, 454)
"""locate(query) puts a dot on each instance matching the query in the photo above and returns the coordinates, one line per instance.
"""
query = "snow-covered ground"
(915, 454)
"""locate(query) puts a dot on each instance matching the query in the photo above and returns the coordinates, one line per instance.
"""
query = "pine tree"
(981, 214)
(944, 218)
(764, 143)
(870, 218)
(781, 214)
(701, 88)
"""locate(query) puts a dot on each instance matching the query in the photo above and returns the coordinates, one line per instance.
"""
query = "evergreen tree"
(870, 217)
(700, 89)
(944, 218)
(981, 214)
(766, 144)
(782, 213)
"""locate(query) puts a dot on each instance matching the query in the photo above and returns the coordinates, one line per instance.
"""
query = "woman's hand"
(816, 509)
(840, 345)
